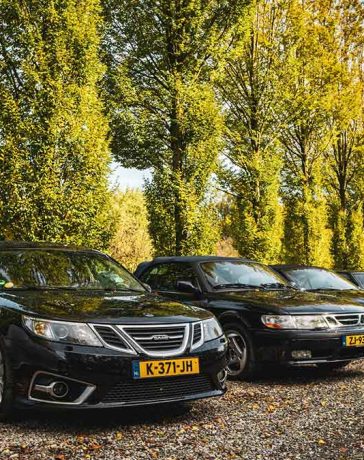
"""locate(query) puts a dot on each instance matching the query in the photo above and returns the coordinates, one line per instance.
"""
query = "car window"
(359, 278)
(225, 272)
(53, 269)
(164, 277)
(316, 278)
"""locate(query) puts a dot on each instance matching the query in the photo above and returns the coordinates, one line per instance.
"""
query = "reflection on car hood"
(102, 307)
(287, 301)
(350, 295)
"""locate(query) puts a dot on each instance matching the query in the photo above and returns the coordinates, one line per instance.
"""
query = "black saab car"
(321, 280)
(79, 331)
(266, 320)
(355, 276)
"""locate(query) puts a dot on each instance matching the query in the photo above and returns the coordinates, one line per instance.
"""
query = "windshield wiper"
(277, 285)
(237, 285)
(121, 290)
(324, 289)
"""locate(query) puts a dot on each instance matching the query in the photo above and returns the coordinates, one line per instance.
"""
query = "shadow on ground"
(306, 375)
(100, 419)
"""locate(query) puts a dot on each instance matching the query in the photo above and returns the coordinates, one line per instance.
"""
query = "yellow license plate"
(353, 340)
(165, 368)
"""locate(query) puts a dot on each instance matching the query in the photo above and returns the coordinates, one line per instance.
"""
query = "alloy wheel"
(237, 353)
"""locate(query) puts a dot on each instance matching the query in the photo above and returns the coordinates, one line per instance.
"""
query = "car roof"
(195, 259)
(8, 245)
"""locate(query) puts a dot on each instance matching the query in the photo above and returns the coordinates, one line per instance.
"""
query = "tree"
(346, 153)
(163, 58)
(306, 81)
(251, 174)
(131, 243)
(53, 133)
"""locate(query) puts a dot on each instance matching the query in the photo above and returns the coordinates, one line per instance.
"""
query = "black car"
(266, 320)
(320, 280)
(77, 330)
(356, 277)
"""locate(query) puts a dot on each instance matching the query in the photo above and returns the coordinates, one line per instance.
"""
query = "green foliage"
(201, 226)
(53, 133)
(251, 174)
(306, 80)
(163, 59)
(345, 156)
(131, 243)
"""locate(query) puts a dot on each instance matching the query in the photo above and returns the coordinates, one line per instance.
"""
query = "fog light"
(301, 354)
(59, 389)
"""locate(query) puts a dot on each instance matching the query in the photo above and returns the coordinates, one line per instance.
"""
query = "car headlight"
(295, 321)
(212, 329)
(59, 331)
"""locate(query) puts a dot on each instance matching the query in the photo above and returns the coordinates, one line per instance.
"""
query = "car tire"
(333, 366)
(241, 362)
(6, 387)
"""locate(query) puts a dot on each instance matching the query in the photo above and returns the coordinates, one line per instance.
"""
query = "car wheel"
(240, 359)
(333, 366)
(6, 388)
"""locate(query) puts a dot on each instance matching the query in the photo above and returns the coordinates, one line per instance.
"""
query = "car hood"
(356, 296)
(286, 301)
(101, 307)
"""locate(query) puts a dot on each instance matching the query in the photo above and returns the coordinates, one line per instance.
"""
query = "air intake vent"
(348, 320)
(110, 337)
(197, 335)
(159, 339)
(197, 332)
(149, 390)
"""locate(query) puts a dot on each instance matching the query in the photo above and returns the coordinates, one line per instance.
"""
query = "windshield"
(317, 278)
(235, 273)
(52, 269)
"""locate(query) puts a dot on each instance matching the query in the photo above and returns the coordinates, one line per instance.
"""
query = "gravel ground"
(297, 414)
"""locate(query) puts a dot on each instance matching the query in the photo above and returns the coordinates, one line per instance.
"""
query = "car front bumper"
(102, 378)
(322, 346)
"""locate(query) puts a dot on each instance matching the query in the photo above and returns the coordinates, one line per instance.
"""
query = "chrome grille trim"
(158, 339)
(345, 319)
(128, 349)
(197, 335)
(138, 339)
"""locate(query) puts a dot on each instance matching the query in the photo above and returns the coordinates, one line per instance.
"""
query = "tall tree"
(251, 174)
(131, 243)
(163, 60)
(306, 81)
(53, 133)
(346, 153)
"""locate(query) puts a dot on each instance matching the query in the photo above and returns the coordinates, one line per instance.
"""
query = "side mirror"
(147, 287)
(188, 287)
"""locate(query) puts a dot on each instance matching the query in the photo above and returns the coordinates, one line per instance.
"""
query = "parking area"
(297, 414)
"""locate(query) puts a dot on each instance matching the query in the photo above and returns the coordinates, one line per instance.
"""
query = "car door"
(163, 278)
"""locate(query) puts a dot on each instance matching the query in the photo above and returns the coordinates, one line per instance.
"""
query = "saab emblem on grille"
(160, 337)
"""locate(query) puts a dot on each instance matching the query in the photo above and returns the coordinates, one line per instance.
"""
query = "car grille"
(197, 334)
(150, 390)
(354, 319)
(111, 337)
(160, 338)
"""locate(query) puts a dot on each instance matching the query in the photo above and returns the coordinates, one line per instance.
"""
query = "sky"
(127, 178)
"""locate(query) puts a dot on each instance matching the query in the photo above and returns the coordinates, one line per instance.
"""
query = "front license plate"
(165, 368)
(353, 340)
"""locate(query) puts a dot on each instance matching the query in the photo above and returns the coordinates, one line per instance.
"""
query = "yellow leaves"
(119, 436)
